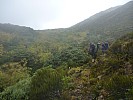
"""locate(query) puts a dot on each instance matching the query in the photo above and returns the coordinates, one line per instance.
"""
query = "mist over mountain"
(107, 25)
(113, 21)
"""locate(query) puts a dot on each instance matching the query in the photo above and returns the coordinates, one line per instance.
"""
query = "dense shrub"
(45, 84)
(117, 86)
(19, 91)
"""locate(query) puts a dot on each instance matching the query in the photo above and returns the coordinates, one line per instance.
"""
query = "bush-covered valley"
(55, 64)
(58, 67)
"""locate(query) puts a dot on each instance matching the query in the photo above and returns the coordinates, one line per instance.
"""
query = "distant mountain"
(15, 29)
(106, 25)
(12, 36)
(112, 22)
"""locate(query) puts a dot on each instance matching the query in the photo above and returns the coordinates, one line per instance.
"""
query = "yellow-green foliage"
(1, 50)
(77, 83)
(118, 86)
(44, 83)
(12, 73)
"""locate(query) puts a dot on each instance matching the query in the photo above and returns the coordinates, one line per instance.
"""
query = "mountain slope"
(114, 22)
(111, 23)
(12, 36)
(15, 29)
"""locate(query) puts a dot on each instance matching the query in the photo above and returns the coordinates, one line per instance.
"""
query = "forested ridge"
(55, 64)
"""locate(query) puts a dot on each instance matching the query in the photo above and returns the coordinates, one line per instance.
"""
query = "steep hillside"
(112, 23)
(109, 78)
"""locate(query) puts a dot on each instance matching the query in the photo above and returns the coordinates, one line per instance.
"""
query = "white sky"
(50, 14)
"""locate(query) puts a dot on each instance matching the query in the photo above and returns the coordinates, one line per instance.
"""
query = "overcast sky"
(50, 14)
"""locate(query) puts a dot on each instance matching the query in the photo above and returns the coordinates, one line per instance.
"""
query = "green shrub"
(117, 86)
(12, 73)
(19, 91)
(45, 84)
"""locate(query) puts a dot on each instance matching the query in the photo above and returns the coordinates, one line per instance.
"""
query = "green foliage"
(129, 95)
(123, 46)
(31, 60)
(114, 63)
(12, 73)
(71, 56)
(45, 84)
(66, 81)
(1, 50)
(118, 85)
(18, 91)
